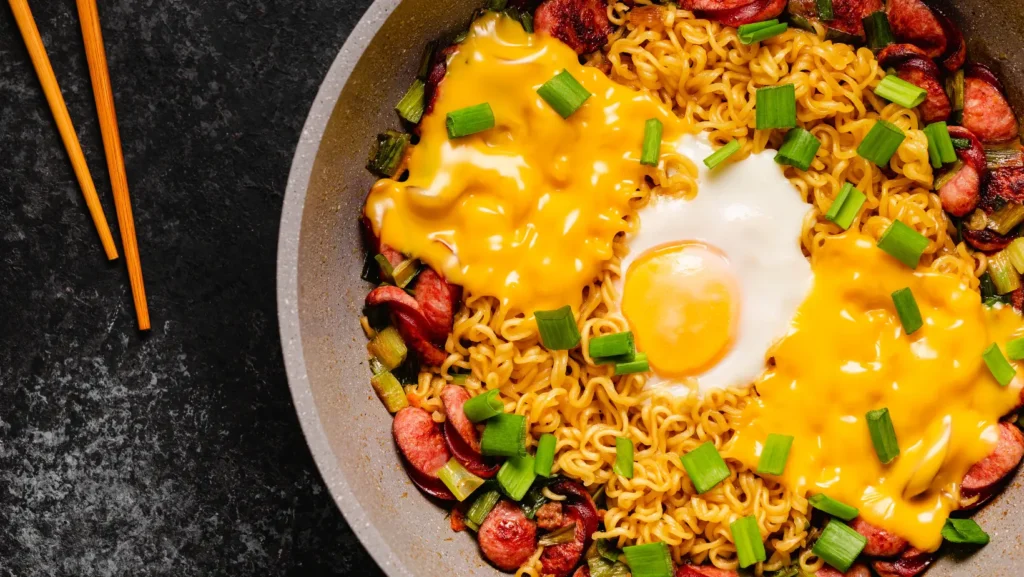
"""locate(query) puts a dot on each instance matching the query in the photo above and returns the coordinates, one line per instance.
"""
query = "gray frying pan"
(320, 293)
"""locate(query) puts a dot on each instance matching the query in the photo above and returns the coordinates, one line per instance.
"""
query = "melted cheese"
(846, 354)
(527, 211)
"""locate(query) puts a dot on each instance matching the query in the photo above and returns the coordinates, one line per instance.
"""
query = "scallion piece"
(776, 107)
(722, 154)
(997, 364)
(839, 545)
(637, 365)
(652, 142)
(883, 435)
(846, 206)
(601, 567)
(405, 272)
(469, 120)
(964, 531)
(1015, 349)
(1005, 156)
(747, 537)
(482, 506)
(504, 436)
(516, 475)
(460, 379)
(881, 143)
(623, 457)
(827, 504)
(775, 454)
(758, 31)
(1006, 218)
(389, 347)
(558, 330)
(564, 93)
(933, 153)
(907, 310)
(798, 149)
(544, 459)
(484, 406)
(961, 143)
(649, 560)
(895, 89)
(877, 29)
(939, 132)
(459, 481)
(825, 13)
(386, 270)
(1004, 276)
(564, 534)
(705, 467)
(411, 106)
(387, 387)
(903, 243)
(955, 90)
(613, 345)
(387, 152)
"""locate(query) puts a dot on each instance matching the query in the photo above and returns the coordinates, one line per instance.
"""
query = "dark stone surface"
(178, 452)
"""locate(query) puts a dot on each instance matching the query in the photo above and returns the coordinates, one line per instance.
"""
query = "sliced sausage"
(912, 21)
(423, 449)
(425, 320)
(936, 106)
(973, 156)
(847, 15)
(582, 24)
(986, 111)
(911, 563)
(703, 571)
(583, 571)
(549, 516)
(437, 299)
(473, 461)
(895, 54)
(984, 479)
(454, 398)
(559, 560)
(960, 194)
(693, 5)
(435, 74)
(1006, 183)
(416, 337)
(987, 240)
(956, 48)
(881, 543)
(1017, 302)
(857, 570)
(756, 11)
(578, 499)
(507, 538)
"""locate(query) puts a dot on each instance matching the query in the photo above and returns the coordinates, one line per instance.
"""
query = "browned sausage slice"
(983, 480)
(936, 106)
(437, 299)
(756, 11)
(703, 571)
(1006, 183)
(454, 397)
(881, 543)
(507, 538)
(912, 21)
(416, 337)
(986, 112)
(582, 24)
(975, 155)
(987, 240)
(847, 15)
(559, 560)
(960, 194)
(583, 571)
(857, 570)
(956, 48)
(911, 563)
(423, 450)
(693, 5)
(549, 516)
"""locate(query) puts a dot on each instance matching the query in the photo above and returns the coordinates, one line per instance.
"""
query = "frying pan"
(320, 294)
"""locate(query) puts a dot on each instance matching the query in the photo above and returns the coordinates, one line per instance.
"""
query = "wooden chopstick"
(51, 89)
(92, 35)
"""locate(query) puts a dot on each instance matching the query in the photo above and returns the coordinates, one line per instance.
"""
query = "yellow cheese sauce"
(847, 354)
(526, 211)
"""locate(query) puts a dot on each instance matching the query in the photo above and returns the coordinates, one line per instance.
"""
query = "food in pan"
(687, 290)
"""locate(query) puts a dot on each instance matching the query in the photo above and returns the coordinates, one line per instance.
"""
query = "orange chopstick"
(97, 57)
(51, 89)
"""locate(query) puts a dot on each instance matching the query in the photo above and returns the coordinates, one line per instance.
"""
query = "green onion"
(791, 571)
(604, 548)
(955, 90)
(1005, 156)
(846, 206)
(722, 154)
(997, 364)
(504, 436)
(544, 459)
(516, 475)
(459, 481)
(964, 531)
(1015, 349)
(907, 310)
(426, 59)
(469, 120)
(601, 567)
(883, 435)
(775, 454)
(934, 155)
(613, 345)
(961, 143)
(1006, 218)
(566, 534)
(825, 13)
(895, 89)
(460, 379)
(405, 272)
(412, 105)
(652, 142)
(387, 387)
(877, 30)
(534, 499)
(387, 271)
(649, 560)
(939, 133)
(798, 149)
(387, 152)
(564, 93)
(827, 504)
(776, 107)
(483, 406)
(747, 537)
(623, 457)
(758, 31)
(705, 467)
(1004, 276)
(558, 330)
(839, 545)
(987, 288)
(1015, 252)
(637, 365)
(903, 243)
(482, 506)
(388, 346)
(882, 141)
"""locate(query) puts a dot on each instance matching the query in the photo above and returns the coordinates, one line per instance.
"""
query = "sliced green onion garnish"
(964, 531)
(825, 13)
(411, 106)
(798, 149)
(544, 459)
(483, 406)
(933, 153)
(564, 93)
(758, 31)
(895, 89)
(469, 120)
(558, 330)
(387, 153)
(649, 560)
(882, 141)
(907, 310)
(652, 142)
(637, 365)
(877, 29)
(504, 436)
(776, 107)
(775, 454)
(939, 132)
(987, 287)
(839, 545)
(961, 143)
(388, 346)
(722, 154)
(747, 537)
(955, 89)
(386, 270)
(405, 272)
(847, 205)
(606, 549)
(705, 467)
(1006, 156)
(623, 457)
(997, 364)
(559, 536)
(903, 243)
(1004, 276)
(426, 59)
(1015, 252)
(613, 345)
(387, 387)
(459, 481)
(516, 475)
(883, 435)
(1015, 349)
(482, 506)
(827, 504)
(601, 567)
(1006, 218)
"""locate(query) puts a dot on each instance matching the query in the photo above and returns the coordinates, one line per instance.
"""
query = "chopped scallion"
(469, 120)
(964, 531)
(877, 30)
(558, 330)
(883, 435)
(637, 365)
(825, 13)
(389, 347)
(405, 272)
(649, 560)
(839, 545)
(895, 89)
(1006, 218)
(484, 406)
(1004, 276)
(776, 107)
(516, 475)
(411, 106)
(846, 206)
(387, 271)
(747, 536)
(1015, 349)
(1015, 251)
(758, 31)
(1005, 156)
(388, 389)
(426, 59)
(387, 152)
(997, 364)
(798, 149)
(903, 243)
(613, 345)
(955, 90)
(775, 454)
(459, 481)
(564, 93)
(827, 504)
(482, 506)
(601, 567)
(722, 154)
(961, 143)
(623, 457)
(544, 459)
(652, 142)
(564, 534)
(907, 310)
(504, 436)
(705, 467)
(939, 133)
(881, 143)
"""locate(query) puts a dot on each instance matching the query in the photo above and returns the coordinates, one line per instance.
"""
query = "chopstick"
(36, 50)
(92, 35)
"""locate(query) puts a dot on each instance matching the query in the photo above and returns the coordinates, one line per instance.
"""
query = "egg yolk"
(682, 303)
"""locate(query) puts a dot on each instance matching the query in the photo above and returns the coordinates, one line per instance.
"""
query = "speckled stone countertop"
(176, 452)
